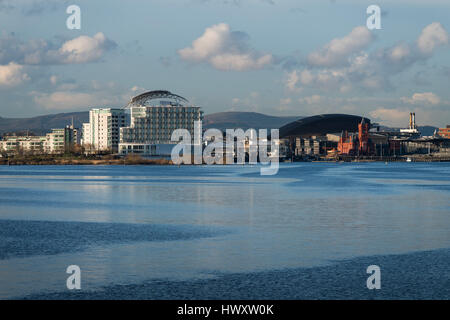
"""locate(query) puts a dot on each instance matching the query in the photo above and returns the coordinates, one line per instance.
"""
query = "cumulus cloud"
(425, 98)
(314, 99)
(337, 51)
(390, 116)
(337, 67)
(12, 74)
(399, 116)
(82, 49)
(61, 100)
(292, 80)
(322, 79)
(399, 52)
(432, 36)
(96, 94)
(225, 50)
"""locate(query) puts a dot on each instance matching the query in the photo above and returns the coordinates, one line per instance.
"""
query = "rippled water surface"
(131, 228)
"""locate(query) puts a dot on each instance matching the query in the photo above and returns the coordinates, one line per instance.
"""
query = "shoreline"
(159, 161)
(78, 161)
(111, 159)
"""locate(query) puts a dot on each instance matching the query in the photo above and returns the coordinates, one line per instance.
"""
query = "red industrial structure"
(356, 145)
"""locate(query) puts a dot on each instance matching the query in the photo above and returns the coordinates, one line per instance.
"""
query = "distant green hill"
(222, 120)
(244, 120)
(43, 124)
(427, 130)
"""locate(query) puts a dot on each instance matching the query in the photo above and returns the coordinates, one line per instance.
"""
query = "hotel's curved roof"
(321, 125)
(144, 98)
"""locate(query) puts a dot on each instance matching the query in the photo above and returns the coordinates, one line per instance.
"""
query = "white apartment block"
(58, 141)
(24, 143)
(102, 132)
(151, 128)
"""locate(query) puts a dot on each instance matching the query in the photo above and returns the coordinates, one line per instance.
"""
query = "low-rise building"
(61, 140)
(58, 141)
(310, 146)
(14, 144)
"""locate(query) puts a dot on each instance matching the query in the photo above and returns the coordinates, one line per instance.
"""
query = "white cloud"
(82, 49)
(306, 77)
(338, 50)
(399, 52)
(73, 97)
(239, 62)
(12, 75)
(64, 100)
(314, 99)
(210, 43)
(363, 70)
(292, 80)
(396, 117)
(432, 36)
(425, 98)
(324, 79)
(225, 50)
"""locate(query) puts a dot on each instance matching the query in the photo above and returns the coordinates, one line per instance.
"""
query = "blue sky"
(279, 57)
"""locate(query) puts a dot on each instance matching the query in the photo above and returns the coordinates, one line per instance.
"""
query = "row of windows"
(162, 115)
(157, 128)
(135, 133)
(165, 109)
(140, 137)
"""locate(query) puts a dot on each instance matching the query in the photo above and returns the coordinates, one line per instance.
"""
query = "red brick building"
(444, 132)
(356, 145)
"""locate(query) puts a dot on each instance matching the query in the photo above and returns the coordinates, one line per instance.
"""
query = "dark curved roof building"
(321, 125)
(147, 97)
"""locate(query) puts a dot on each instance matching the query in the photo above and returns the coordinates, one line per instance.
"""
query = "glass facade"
(155, 124)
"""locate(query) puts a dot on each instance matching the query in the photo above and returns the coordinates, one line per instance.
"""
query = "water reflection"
(307, 215)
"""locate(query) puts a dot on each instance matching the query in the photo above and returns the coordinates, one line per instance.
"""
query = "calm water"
(142, 231)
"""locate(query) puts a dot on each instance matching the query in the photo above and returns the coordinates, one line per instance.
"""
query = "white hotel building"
(152, 123)
(154, 116)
